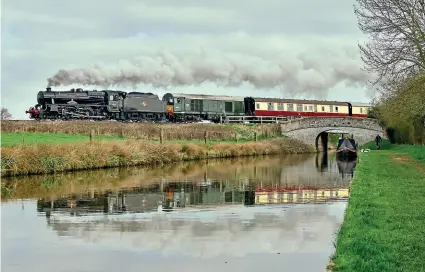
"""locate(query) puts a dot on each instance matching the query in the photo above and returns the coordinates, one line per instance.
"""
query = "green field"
(9, 139)
(384, 225)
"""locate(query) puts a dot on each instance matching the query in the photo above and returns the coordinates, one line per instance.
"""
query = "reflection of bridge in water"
(260, 184)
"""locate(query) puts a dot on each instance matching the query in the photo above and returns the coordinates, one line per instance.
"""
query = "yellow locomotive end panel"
(170, 108)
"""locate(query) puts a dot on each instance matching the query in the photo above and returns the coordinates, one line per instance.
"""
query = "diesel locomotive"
(177, 107)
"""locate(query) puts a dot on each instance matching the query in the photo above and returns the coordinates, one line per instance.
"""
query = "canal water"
(276, 213)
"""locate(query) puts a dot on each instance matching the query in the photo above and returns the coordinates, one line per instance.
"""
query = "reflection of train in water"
(296, 184)
(175, 196)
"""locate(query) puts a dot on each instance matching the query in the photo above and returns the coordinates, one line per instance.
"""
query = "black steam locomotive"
(101, 105)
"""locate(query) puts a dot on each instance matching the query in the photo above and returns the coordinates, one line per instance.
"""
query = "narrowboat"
(347, 149)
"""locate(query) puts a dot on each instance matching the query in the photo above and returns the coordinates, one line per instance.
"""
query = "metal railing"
(256, 119)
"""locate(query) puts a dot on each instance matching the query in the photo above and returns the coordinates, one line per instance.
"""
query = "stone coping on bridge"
(331, 122)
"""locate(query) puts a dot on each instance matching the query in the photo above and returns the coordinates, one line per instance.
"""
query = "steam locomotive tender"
(106, 104)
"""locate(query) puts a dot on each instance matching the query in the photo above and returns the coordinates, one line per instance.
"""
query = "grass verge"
(48, 158)
(146, 131)
(383, 228)
(10, 139)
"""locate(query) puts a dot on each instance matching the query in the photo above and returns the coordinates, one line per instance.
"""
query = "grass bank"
(16, 138)
(145, 131)
(10, 139)
(48, 158)
(383, 228)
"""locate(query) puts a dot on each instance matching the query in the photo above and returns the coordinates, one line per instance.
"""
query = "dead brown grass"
(39, 159)
(147, 131)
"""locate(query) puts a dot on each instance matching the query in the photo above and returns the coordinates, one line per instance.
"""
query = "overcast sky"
(40, 37)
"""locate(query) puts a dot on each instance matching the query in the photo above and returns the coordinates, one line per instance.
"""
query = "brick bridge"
(311, 129)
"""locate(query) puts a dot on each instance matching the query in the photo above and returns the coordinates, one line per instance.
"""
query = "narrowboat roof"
(298, 101)
(209, 97)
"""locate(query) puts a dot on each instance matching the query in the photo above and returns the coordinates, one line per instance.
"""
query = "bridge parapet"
(337, 122)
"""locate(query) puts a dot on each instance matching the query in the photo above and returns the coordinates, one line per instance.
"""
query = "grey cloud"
(324, 17)
(41, 37)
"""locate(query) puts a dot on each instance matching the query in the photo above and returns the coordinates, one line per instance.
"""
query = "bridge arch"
(321, 141)
(313, 130)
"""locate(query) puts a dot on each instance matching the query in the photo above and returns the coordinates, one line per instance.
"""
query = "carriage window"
(258, 106)
(111, 98)
(228, 106)
(290, 107)
(239, 107)
(331, 108)
(305, 108)
(310, 108)
(336, 109)
(196, 105)
(315, 108)
(299, 107)
(361, 110)
(280, 106)
(270, 106)
(323, 108)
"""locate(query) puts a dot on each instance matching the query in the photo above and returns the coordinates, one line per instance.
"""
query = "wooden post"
(236, 137)
(122, 132)
(206, 137)
(23, 139)
(98, 132)
(255, 136)
(91, 135)
(161, 136)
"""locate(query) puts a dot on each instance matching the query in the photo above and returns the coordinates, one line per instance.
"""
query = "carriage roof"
(298, 101)
(209, 97)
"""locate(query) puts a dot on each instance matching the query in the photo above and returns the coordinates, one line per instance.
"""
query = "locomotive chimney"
(48, 89)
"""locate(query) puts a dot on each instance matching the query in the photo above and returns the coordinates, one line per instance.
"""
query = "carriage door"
(350, 109)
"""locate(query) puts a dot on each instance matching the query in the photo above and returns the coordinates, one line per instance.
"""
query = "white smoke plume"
(300, 74)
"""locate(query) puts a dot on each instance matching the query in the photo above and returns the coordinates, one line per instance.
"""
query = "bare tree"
(396, 48)
(5, 114)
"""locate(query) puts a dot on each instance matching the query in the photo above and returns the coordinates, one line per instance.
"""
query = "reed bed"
(146, 131)
(48, 158)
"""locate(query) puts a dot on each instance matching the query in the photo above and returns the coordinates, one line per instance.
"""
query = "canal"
(277, 213)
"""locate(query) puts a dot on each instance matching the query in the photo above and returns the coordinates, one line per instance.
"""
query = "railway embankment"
(383, 228)
(40, 149)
